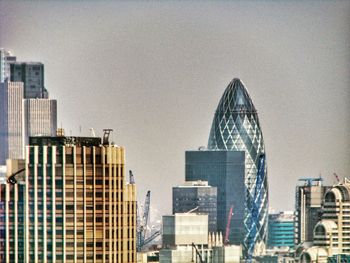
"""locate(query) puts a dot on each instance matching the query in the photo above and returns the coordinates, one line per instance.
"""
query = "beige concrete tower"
(77, 204)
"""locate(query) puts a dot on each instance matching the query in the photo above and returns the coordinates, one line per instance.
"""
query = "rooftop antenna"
(131, 177)
(92, 131)
(106, 133)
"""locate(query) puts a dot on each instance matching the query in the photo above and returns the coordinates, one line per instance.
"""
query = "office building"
(11, 121)
(186, 239)
(281, 230)
(6, 58)
(74, 204)
(40, 117)
(236, 133)
(331, 235)
(217, 167)
(185, 229)
(21, 118)
(199, 197)
(308, 208)
(12, 216)
(25, 114)
(32, 75)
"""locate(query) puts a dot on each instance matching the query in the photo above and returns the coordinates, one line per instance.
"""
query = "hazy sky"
(155, 72)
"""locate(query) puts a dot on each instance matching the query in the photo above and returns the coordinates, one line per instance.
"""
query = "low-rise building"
(281, 230)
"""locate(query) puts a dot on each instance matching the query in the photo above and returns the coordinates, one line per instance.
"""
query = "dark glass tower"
(197, 196)
(32, 75)
(236, 128)
(225, 171)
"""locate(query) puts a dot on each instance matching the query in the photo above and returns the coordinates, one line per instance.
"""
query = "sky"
(155, 72)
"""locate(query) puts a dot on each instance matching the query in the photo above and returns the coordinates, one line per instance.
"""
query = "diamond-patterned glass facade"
(236, 128)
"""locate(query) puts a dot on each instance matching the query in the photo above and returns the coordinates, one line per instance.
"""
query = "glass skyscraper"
(236, 128)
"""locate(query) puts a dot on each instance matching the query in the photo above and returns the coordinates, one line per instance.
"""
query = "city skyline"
(157, 79)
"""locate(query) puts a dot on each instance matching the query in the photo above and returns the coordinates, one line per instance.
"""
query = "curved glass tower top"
(236, 128)
(235, 121)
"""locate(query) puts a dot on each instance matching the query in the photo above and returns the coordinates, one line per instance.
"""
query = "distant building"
(6, 58)
(21, 118)
(25, 109)
(73, 205)
(11, 121)
(186, 239)
(40, 117)
(185, 229)
(331, 240)
(308, 208)
(197, 196)
(281, 230)
(32, 75)
(218, 168)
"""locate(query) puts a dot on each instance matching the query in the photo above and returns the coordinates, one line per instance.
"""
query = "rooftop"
(63, 140)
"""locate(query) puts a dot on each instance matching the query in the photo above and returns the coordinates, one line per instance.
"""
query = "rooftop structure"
(6, 57)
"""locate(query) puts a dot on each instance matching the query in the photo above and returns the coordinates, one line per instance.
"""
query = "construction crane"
(92, 131)
(257, 199)
(309, 181)
(194, 247)
(227, 233)
(336, 177)
(151, 237)
(142, 222)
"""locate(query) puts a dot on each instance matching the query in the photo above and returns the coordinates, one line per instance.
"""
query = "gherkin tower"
(236, 127)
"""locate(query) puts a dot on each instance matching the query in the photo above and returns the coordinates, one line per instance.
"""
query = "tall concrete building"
(40, 117)
(32, 75)
(11, 121)
(31, 113)
(74, 204)
(197, 196)
(6, 58)
(308, 208)
(21, 118)
(331, 235)
(12, 215)
(236, 135)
